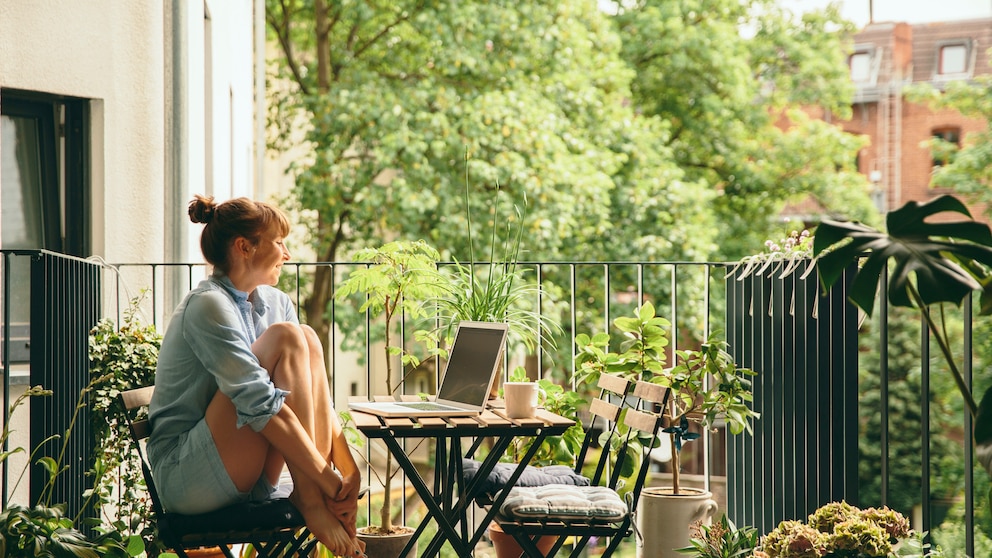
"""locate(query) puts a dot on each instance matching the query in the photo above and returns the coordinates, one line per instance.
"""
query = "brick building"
(888, 57)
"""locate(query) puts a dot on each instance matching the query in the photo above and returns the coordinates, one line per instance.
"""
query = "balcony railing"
(585, 297)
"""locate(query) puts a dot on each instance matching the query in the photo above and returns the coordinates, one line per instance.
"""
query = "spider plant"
(497, 291)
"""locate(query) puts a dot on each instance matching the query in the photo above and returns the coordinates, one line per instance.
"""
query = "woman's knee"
(278, 341)
(285, 334)
(310, 334)
(313, 341)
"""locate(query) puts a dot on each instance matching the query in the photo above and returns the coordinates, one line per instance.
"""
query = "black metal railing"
(65, 300)
(586, 297)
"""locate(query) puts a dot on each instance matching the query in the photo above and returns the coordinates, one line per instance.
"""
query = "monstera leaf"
(939, 254)
(933, 263)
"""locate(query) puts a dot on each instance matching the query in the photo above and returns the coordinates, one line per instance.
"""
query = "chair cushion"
(268, 515)
(532, 476)
(561, 501)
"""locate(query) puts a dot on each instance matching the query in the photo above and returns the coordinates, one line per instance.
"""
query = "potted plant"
(721, 540)
(933, 263)
(43, 529)
(707, 387)
(838, 529)
(124, 358)
(498, 291)
(400, 278)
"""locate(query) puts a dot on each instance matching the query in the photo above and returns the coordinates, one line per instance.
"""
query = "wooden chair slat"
(646, 391)
(645, 422)
(611, 382)
(605, 409)
(139, 397)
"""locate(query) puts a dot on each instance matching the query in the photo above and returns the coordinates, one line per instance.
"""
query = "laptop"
(473, 363)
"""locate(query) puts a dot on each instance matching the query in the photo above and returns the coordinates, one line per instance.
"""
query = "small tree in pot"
(707, 386)
(400, 277)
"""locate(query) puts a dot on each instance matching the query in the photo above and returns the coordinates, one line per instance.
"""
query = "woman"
(241, 390)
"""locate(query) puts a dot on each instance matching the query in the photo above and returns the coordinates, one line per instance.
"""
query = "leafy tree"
(662, 145)
(969, 168)
(729, 78)
(403, 102)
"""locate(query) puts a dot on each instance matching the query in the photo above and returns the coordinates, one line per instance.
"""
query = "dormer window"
(863, 64)
(954, 59)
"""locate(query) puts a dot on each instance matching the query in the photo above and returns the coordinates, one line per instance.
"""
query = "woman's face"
(267, 258)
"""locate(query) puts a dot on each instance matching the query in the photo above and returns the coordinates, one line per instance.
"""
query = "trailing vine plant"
(122, 357)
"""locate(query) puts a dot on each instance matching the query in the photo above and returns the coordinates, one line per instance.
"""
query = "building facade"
(115, 113)
(886, 59)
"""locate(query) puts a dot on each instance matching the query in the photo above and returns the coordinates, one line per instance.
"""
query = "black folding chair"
(535, 513)
(273, 528)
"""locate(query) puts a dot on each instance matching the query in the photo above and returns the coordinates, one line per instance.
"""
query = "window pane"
(20, 207)
(21, 184)
(860, 67)
(953, 59)
(943, 154)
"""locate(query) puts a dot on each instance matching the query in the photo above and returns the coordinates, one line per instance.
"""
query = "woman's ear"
(242, 246)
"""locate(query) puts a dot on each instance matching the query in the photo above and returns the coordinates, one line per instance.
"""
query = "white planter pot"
(663, 519)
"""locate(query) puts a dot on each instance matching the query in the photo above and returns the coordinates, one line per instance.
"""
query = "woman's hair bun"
(201, 209)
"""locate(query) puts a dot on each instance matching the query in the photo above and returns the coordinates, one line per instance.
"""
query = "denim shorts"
(191, 477)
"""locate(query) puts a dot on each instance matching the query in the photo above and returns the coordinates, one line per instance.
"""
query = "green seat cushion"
(562, 501)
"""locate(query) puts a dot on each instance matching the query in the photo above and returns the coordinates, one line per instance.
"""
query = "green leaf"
(49, 464)
(646, 312)
(937, 255)
(983, 432)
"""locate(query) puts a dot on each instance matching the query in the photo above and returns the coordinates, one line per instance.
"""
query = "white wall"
(112, 53)
(120, 56)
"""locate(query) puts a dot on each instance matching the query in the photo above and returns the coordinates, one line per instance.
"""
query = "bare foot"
(327, 529)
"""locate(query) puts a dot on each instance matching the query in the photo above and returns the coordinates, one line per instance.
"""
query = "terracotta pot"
(388, 546)
(205, 552)
(663, 519)
(507, 547)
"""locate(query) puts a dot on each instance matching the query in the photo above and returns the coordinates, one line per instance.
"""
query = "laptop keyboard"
(427, 406)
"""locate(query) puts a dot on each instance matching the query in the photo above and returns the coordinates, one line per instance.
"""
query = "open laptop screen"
(478, 347)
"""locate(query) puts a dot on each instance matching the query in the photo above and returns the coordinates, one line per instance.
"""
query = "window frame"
(949, 134)
(969, 59)
(63, 125)
(872, 52)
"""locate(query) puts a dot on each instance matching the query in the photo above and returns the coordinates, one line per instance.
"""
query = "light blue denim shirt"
(206, 347)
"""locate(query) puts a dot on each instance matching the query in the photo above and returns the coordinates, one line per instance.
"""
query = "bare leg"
(283, 351)
(328, 434)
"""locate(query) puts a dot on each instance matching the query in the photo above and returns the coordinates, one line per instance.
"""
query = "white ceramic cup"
(521, 399)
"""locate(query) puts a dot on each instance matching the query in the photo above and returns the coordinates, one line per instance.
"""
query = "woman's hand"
(344, 505)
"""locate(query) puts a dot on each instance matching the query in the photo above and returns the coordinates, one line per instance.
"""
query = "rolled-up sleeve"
(213, 329)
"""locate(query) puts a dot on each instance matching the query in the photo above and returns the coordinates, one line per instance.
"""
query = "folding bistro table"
(450, 497)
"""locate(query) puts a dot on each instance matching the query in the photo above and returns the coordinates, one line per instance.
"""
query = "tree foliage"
(646, 135)
(969, 167)
(729, 77)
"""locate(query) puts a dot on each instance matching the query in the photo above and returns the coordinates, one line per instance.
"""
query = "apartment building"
(886, 59)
